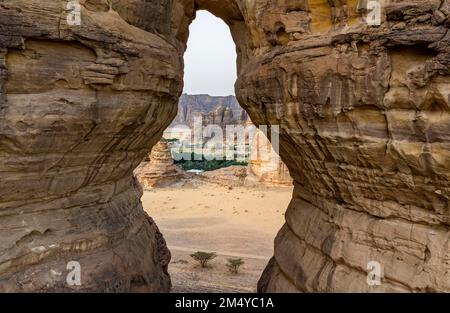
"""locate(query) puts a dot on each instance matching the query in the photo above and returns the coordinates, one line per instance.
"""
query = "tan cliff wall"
(365, 132)
(265, 166)
(80, 108)
(213, 110)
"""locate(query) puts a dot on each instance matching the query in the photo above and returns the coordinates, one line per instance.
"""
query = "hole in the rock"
(210, 58)
(230, 206)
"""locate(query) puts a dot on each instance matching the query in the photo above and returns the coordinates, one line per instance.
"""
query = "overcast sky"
(210, 59)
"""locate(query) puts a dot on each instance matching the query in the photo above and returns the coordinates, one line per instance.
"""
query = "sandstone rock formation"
(365, 132)
(232, 176)
(215, 110)
(160, 171)
(80, 106)
(269, 173)
(265, 165)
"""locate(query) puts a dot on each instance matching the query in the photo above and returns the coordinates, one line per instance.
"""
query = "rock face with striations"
(160, 171)
(365, 132)
(215, 110)
(265, 165)
(80, 106)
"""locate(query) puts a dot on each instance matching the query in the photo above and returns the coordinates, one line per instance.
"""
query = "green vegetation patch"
(207, 165)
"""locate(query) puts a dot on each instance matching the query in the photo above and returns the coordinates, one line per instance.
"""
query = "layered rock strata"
(365, 133)
(213, 110)
(160, 171)
(80, 106)
(265, 166)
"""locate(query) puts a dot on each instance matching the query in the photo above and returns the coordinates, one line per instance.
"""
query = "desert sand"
(233, 222)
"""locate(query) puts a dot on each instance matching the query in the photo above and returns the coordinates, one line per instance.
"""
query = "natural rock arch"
(364, 131)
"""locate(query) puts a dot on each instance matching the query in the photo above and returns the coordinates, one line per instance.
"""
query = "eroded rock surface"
(365, 133)
(265, 166)
(160, 170)
(215, 110)
(80, 106)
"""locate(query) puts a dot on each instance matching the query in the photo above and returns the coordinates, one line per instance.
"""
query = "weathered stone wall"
(365, 132)
(80, 107)
(265, 166)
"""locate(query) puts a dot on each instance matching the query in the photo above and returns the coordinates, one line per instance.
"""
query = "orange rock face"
(364, 130)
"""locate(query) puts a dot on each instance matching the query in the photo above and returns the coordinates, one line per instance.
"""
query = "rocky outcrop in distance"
(213, 110)
(160, 170)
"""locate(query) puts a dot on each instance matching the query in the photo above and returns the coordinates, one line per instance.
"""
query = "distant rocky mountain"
(214, 110)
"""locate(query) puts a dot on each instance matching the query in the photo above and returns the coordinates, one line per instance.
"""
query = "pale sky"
(210, 59)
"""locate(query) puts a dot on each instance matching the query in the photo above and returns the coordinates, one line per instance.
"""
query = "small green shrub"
(234, 265)
(203, 257)
(171, 140)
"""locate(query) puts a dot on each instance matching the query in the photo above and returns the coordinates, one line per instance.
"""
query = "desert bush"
(203, 257)
(234, 265)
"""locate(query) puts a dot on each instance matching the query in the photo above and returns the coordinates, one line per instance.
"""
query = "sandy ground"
(240, 222)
